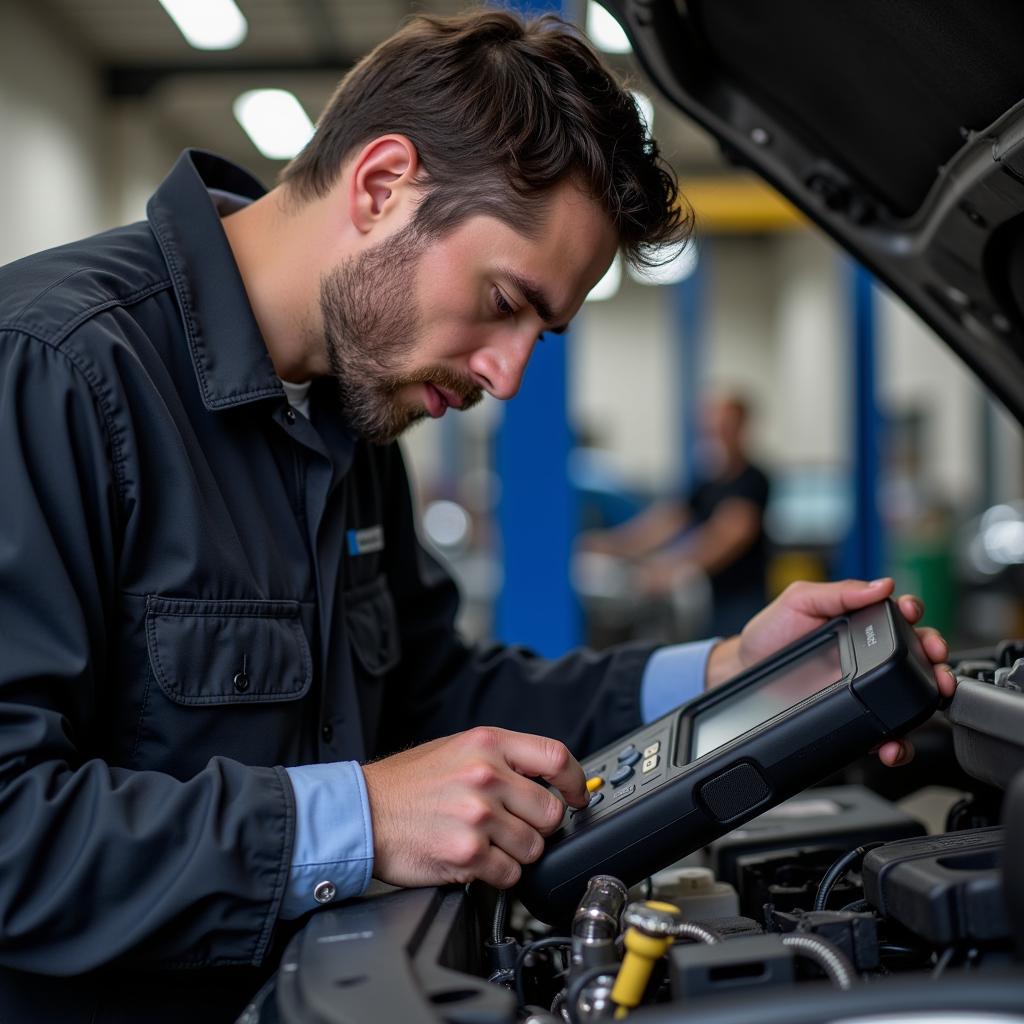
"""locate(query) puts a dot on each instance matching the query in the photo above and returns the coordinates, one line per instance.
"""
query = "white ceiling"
(302, 45)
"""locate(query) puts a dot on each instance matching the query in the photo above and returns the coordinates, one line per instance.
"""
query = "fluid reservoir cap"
(690, 881)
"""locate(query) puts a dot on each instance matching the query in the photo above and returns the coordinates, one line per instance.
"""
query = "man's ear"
(383, 179)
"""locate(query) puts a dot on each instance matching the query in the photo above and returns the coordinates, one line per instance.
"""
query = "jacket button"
(324, 892)
(289, 415)
(328, 733)
(241, 681)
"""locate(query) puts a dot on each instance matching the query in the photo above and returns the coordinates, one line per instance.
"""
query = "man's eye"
(504, 306)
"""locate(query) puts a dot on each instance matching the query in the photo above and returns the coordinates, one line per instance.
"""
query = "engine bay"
(847, 902)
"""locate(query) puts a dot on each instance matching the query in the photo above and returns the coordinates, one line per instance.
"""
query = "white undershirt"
(298, 395)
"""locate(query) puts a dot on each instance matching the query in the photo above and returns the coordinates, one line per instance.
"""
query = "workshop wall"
(73, 162)
(52, 127)
(625, 382)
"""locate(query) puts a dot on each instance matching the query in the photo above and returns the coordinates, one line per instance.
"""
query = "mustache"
(442, 377)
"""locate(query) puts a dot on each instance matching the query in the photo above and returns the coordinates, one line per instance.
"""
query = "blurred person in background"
(715, 531)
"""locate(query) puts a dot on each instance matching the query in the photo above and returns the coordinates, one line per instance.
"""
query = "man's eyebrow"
(535, 296)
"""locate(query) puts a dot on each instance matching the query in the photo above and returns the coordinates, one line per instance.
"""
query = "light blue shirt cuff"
(673, 676)
(333, 836)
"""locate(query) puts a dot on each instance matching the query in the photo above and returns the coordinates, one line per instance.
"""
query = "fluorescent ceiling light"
(604, 31)
(646, 108)
(275, 121)
(609, 284)
(677, 269)
(208, 24)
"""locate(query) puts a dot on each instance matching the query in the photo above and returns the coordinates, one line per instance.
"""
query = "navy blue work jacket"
(181, 616)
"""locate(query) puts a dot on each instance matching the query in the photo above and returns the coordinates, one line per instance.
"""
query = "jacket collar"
(229, 355)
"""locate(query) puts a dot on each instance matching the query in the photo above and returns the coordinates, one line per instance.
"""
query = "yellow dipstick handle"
(642, 953)
(648, 935)
(594, 783)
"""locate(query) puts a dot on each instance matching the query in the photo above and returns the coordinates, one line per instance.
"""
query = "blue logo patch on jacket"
(365, 541)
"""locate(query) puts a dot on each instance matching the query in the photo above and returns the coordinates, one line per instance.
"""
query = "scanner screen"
(772, 694)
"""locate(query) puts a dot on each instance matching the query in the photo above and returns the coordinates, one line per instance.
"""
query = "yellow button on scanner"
(594, 783)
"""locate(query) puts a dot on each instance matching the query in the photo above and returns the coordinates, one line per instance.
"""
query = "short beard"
(370, 325)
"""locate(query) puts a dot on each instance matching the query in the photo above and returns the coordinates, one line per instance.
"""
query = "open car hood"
(896, 127)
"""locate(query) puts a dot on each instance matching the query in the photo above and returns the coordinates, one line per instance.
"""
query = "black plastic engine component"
(788, 879)
(960, 1000)
(856, 935)
(980, 809)
(760, 961)
(1013, 881)
(732, 927)
(1009, 651)
(836, 818)
(401, 956)
(945, 888)
(988, 731)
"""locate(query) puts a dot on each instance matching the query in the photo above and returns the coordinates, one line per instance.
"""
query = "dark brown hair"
(500, 110)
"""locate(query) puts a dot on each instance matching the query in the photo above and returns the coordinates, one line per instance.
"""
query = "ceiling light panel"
(275, 121)
(208, 24)
(604, 31)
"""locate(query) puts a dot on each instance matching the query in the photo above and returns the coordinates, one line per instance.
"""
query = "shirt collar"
(229, 354)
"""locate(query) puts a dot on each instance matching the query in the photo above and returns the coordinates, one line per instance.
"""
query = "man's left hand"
(801, 608)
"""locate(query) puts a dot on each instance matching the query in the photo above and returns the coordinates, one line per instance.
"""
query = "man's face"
(413, 326)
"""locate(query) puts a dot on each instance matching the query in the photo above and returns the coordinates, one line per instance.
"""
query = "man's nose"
(499, 365)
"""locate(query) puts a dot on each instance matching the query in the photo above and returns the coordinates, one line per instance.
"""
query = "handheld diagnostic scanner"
(715, 762)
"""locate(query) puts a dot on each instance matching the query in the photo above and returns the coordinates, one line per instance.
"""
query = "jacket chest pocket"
(373, 627)
(230, 677)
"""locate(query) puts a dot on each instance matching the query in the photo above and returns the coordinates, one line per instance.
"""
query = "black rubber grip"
(734, 791)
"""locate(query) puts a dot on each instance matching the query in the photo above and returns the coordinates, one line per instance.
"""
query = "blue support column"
(537, 514)
(863, 553)
(690, 308)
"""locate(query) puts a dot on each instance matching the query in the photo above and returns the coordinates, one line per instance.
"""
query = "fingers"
(911, 607)
(937, 651)
(934, 646)
(945, 679)
(472, 856)
(534, 804)
(486, 822)
(894, 753)
(497, 868)
(494, 788)
(461, 808)
(538, 756)
(827, 600)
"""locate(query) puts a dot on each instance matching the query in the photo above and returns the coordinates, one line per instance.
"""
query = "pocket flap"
(227, 652)
(373, 626)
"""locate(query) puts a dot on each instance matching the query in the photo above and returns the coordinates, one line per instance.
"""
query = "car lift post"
(537, 510)
(863, 552)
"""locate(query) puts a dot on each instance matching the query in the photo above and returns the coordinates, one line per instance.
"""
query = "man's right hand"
(464, 807)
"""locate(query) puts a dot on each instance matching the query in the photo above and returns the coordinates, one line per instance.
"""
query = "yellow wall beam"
(738, 203)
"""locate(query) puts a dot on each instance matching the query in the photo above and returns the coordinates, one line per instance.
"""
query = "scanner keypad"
(619, 775)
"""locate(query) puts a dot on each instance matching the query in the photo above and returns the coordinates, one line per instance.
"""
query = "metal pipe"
(595, 925)
(827, 956)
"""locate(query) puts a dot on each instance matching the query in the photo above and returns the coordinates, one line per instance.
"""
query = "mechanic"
(216, 617)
